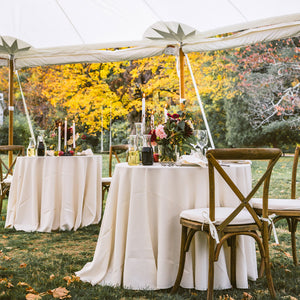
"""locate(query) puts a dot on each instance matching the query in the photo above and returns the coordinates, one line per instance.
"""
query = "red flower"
(153, 135)
(83, 137)
(175, 116)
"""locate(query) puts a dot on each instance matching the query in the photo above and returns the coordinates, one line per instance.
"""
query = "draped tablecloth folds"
(51, 193)
(139, 241)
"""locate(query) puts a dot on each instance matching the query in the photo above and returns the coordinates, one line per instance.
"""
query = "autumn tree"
(268, 99)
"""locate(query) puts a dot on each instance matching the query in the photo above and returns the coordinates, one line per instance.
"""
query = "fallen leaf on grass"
(23, 265)
(6, 257)
(287, 254)
(226, 297)
(246, 296)
(5, 236)
(20, 283)
(31, 290)
(60, 292)
(52, 276)
(287, 271)
(9, 285)
(32, 297)
(3, 280)
(69, 279)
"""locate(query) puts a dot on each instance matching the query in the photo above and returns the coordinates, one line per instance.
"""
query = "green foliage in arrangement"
(45, 263)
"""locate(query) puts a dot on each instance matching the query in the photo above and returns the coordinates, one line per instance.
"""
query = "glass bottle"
(147, 151)
(139, 139)
(133, 154)
(41, 146)
(31, 147)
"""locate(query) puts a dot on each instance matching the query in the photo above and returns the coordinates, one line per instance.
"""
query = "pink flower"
(160, 132)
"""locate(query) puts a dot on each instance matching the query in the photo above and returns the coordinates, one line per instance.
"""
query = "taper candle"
(65, 136)
(59, 137)
(73, 134)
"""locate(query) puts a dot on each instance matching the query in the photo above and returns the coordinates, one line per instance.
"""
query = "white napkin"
(86, 152)
(191, 160)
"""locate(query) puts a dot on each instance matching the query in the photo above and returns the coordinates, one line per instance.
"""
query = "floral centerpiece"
(175, 135)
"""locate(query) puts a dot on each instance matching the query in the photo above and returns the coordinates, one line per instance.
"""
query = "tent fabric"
(44, 32)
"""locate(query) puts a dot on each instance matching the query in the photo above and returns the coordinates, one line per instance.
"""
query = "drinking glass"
(203, 139)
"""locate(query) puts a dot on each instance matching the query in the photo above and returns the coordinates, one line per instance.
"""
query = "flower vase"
(168, 154)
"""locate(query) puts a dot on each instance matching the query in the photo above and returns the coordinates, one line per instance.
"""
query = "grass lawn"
(40, 262)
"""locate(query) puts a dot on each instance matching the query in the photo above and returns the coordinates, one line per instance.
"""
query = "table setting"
(138, 243)
(55, 189)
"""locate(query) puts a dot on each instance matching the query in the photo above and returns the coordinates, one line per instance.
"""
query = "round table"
(50, 193)
(139, 240)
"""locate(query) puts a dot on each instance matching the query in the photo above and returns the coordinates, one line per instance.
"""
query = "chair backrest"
(214, 157)
(5, 169)
(294, 172)
(114, 151)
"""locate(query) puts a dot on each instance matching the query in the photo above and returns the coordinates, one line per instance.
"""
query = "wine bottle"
(41, 149)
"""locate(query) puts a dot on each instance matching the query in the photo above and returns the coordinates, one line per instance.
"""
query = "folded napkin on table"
(86, 152)
(191, 160)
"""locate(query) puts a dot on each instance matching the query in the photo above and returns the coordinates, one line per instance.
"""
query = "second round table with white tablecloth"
(51, 193)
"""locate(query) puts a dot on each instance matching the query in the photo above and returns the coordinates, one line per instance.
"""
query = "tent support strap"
(200, 103)
(26, 110)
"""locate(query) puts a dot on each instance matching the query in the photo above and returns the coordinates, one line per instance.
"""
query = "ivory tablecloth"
(50, 193)
(139, 241)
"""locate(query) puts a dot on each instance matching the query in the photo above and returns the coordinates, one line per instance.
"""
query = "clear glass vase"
(168, 154)
(139, 139)
(133, 154)
(31, 147)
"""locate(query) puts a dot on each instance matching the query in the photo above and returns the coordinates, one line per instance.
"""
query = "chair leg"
(1, 202)
(293, 240)
(210, 284)
(181, 260)
(265, 238)
(233, 261)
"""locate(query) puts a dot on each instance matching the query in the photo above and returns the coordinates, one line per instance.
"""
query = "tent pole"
(101, 128)
(200, 103)
(11, 107)
(181, 78)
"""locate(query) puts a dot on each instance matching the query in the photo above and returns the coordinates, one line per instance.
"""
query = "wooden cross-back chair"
(6, 171)
(288, 209)
(229, 222)
(114, 151)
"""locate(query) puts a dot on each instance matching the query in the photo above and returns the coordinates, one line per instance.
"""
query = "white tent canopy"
(45, 32)
(68, 31)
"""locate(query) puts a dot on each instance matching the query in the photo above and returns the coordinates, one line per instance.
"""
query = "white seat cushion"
(221, 213)
(106, 179)
(8, 180)
(277, 204)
